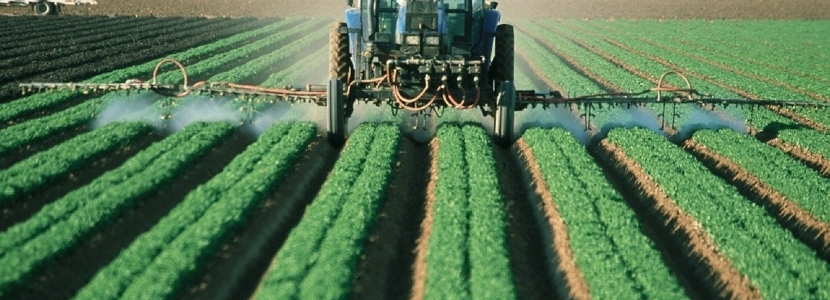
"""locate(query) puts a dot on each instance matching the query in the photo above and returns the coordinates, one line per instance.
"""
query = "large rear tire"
(505, 111)
(501, 69)
(340, 68)
(44, 8)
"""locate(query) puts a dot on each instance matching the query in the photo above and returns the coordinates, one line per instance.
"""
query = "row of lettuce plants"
(701, 66)
(467, 253)
(62, 224)
(773, 167)
(616, 259)
(319, 257)
(36, 102)
(787, 130)
(769, 255)
(27, 132)
(34, 172)
(159, 261)
(704, 52)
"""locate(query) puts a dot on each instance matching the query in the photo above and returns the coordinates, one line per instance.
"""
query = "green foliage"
(62, 224)
(318, 259)
(617, 260)
(43, 167)
(773, 259)
(799, 184)
(467, 254)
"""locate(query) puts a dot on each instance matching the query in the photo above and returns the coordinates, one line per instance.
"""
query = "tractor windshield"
(457, 18)
(387, 15)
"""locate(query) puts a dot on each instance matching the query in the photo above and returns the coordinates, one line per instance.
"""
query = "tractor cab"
(380, 30)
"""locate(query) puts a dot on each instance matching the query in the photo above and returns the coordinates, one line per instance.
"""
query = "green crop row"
(21, 134)
(773, 167)
(769, 255)
(467, 253)
(617, 260)
(35, 102)
(160, 260)
(788, 131)
(62, 224)
(318, 259)
(705, 52)
(43, 167)
(555, 69)
(701, 66)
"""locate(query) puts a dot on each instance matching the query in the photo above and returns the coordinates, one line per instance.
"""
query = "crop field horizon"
(122, 194)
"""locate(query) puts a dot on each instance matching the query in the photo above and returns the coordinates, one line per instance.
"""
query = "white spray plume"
(136, 107)
(552, 117)
(203, 109)
(634, 116)
(701, 118)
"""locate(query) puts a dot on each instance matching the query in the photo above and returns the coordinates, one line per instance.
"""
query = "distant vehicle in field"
(46, 7)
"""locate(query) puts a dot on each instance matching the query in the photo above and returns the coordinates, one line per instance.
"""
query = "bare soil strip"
(419, 267)
(388, 256)
(722, 279)
(32, 203)
(781, 111)
(235, 270)
(814, 161)
(567, 278)
(528, 242)
(62, 278)
(802, 223)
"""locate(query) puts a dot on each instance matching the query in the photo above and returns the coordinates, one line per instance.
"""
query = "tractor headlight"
(413, 40)
(432, 40)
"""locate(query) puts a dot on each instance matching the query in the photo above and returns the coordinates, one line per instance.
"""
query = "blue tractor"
(419, 55)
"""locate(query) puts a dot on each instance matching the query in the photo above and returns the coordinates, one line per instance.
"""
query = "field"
(111, 195)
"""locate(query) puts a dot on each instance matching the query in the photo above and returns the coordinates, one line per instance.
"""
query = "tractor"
(419, 56)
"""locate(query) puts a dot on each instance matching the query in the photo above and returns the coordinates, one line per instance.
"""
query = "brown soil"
(561, 9)
(566, 275)
(722, 279)
(528, 244)
(24, 208)
(809, 229)
(389, 253)
(65, 275)
(815, 161)
(419, 267)
(239, 264)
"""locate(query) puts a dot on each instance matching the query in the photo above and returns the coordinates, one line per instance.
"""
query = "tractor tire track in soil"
(681, 234)
(527, 247)
(64, 276)
(781, 111)
(804, 225)
(388, 255)
(22, 209)
(419, 266)
(812, 160)
(236, 269)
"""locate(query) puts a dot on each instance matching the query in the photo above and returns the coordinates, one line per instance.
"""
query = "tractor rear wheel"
(501, 69)
(340, 67)
(44, 8)
(505, 111)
